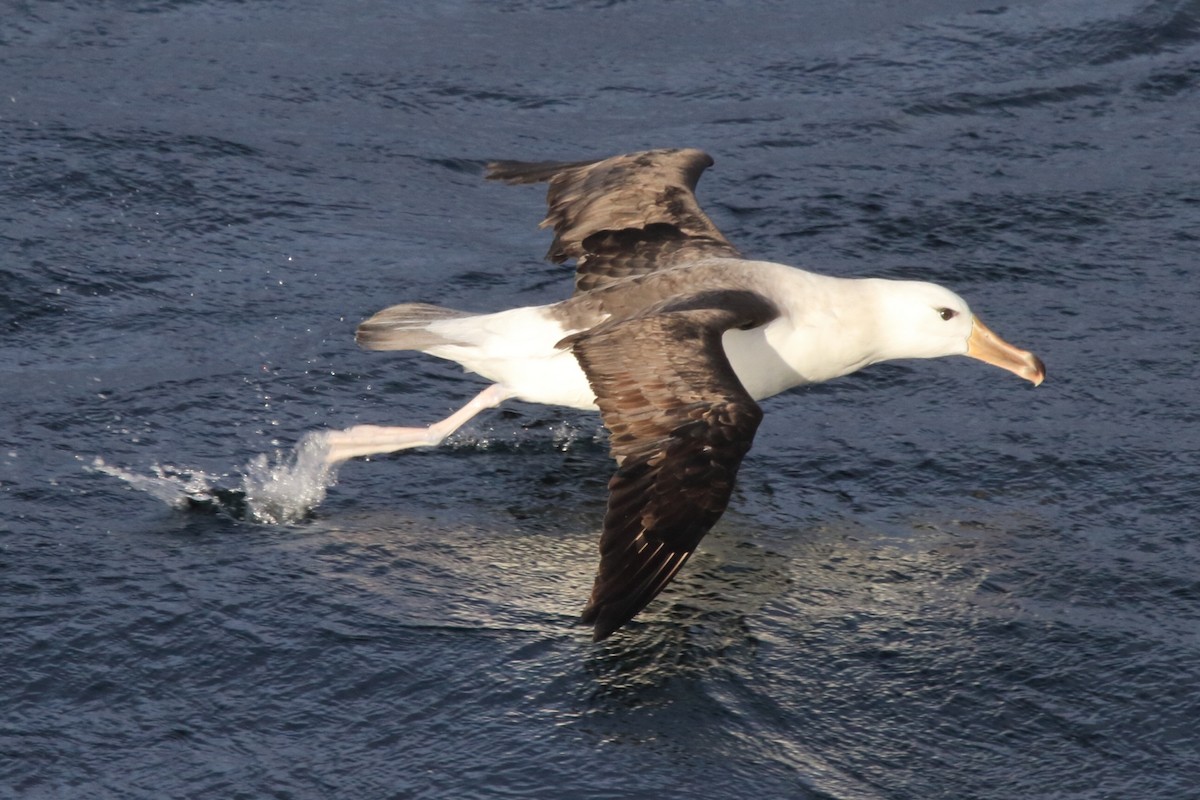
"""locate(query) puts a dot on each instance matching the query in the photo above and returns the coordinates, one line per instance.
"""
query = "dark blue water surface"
(934, 580)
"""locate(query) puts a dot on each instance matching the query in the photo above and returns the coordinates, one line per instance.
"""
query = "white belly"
(516, 348)
(539, 373)
(557, 380)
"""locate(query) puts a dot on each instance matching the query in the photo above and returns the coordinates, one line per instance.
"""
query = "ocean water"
(934, 581)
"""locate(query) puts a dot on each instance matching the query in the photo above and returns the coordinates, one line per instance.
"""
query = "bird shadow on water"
(705, 633)
(279, 491)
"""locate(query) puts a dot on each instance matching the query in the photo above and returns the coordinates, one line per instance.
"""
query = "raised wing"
(681, 423)
(625, 215)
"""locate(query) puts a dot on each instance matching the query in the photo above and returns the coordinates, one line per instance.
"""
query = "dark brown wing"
(625, 215)
(681, 423)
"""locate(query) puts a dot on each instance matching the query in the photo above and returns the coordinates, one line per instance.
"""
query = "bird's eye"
(947, 313)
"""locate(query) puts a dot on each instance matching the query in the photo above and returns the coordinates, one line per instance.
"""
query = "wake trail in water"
(281, 491)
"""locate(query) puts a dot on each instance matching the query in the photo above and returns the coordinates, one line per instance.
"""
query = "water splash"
(279, 491)
(284, 492)
(283, 488)
(174, 486)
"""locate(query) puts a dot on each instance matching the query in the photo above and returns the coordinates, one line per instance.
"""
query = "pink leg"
(370, 440)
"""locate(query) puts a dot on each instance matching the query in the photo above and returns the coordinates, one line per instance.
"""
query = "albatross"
(673, 336)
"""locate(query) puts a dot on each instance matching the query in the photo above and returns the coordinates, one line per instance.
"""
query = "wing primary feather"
(623, 216)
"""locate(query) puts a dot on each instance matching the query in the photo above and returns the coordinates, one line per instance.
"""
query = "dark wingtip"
(518, 172)
(602, 626)
(601, 632)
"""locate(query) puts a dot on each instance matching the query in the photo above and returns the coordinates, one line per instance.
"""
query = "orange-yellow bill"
(990, 348)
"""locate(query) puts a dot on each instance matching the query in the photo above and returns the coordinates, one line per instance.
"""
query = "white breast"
(825, 330)
(756, 358)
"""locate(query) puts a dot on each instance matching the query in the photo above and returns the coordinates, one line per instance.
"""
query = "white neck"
(830, 327)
